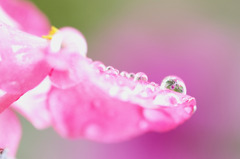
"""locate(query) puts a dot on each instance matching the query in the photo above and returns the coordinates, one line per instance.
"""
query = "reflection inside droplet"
(174, 83)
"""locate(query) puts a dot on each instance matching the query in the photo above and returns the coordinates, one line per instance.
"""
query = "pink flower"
(22, 65)
(79, 98)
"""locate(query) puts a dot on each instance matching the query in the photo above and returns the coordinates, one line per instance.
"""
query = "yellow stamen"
(53, 31)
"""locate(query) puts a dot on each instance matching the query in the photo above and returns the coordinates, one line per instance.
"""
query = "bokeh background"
(196, 40)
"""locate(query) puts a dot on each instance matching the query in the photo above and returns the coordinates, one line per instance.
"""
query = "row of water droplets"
(129, 85)
(135, 87)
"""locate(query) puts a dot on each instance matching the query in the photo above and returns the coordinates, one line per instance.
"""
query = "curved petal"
(25, 16)
(32, 105)
(7, 99)
(107, 106)
(70, 40)
(66, 47)
(10, 132)
(22, 60)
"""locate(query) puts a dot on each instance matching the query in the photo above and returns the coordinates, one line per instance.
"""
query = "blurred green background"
(125, 34)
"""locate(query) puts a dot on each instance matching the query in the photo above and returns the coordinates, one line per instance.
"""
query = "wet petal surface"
(108, 106)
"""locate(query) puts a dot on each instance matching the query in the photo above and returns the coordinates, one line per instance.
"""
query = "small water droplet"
(141, 77)
(194, 108)
(131, 76)
(92, 131)
(99, 65)
(125, 93)
(2, 93)
(143, 125)
(188, 110)
(124, 74)
(166, 99)
(174, 83)
(111, 70)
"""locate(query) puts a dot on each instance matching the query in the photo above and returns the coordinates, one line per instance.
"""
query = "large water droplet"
(141, 77)
(174, 83)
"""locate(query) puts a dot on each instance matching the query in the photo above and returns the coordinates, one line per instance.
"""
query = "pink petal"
(25, 16)
(7, 99)
(106, 106)
(10, 132)
(70, 40)
(22, 60)
(32, 105)
(66, 47)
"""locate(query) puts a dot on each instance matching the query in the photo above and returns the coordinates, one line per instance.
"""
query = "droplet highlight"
(141, 77)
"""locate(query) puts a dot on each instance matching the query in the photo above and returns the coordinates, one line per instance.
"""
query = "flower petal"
(66, 47)
(25, 16)
(33, 106)
(7, 99)
(70, 40)
(109, 107)
(22, 60)
(10, 132)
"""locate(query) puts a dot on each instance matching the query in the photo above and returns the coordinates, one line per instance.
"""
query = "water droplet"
(2, 93)
(131, 76)
(111, 70)
(174, 83)
(188, 110)
(194, 108)
(154, 115)
(141, 77)
(99, 65)
(124, 74)
(92, 131)
(166, 99)
(143, 125)
(125, 93)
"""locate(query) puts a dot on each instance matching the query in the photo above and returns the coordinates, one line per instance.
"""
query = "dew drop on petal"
(124, 74)
(99, 65)
(173, 83)
(111, 70)
(141, 77)
(92, 131)
(143, 125)
(131, 76)
(194, 108)
(166, 99)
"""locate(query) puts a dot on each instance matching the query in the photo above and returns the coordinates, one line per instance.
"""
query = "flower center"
(53, 31)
